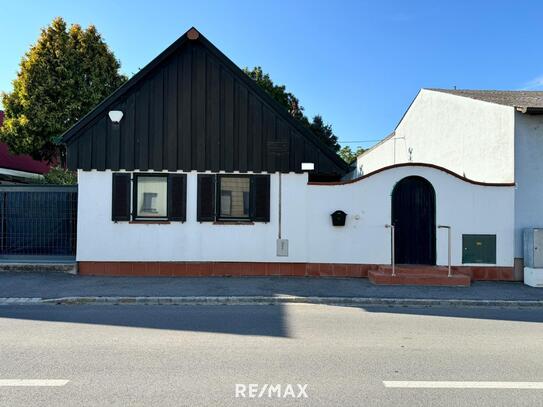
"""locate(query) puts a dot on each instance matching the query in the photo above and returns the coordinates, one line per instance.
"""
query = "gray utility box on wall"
(282, 247)
(533, 248)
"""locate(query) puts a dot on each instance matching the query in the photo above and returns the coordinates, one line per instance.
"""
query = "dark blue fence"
(38, 220)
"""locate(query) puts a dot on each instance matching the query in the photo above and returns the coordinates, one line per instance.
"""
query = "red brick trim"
(486, 273)
(241, 269)
(224, 269)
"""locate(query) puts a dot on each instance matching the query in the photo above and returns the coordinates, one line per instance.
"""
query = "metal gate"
(38, 221)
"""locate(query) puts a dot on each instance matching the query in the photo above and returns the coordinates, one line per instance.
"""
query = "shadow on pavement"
(503, 314)
(237, 320)
(240, 320)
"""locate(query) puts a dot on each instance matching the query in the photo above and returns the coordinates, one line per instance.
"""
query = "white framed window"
(234, 193)
(150, 196)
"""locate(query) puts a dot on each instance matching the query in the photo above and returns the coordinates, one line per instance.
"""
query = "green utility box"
(479, 249)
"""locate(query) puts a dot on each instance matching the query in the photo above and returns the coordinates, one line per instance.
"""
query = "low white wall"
(468, 208)
(470, 137)
(306, 213)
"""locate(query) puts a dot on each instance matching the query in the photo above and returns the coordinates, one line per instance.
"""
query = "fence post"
(392, 249)
(449, 274)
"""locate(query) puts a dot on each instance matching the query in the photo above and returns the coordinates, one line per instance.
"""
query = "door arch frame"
(404, 254)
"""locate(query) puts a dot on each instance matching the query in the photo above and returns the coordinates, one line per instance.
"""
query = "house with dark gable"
(191, 169)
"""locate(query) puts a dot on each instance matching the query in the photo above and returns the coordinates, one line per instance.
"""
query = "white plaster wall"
(467, 136)
(468, 208)
(100, 239)
(306, 223)
(528, 175)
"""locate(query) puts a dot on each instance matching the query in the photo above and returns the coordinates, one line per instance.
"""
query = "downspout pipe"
(279, 208)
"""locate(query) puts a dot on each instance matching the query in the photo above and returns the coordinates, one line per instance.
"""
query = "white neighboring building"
(486, 136)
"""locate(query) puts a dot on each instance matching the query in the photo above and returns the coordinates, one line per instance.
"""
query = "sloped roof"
(514, 98)
(93, 143)
(19, 162)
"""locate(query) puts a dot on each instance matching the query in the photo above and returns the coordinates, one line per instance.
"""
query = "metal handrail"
(449, 274)
(392, 249)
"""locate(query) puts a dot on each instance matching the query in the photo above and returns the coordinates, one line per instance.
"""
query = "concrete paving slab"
(56, 285)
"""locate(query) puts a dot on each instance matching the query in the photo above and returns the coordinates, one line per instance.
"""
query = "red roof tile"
(19, 162)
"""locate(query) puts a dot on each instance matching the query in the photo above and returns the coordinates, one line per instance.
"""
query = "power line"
(358, 141)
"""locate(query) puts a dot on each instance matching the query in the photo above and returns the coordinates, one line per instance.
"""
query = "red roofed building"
(18, 169)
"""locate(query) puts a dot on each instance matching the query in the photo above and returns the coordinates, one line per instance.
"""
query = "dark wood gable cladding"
(193, 109)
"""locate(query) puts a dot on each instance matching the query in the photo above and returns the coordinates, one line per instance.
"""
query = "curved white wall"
(306, 213)
(468, 208)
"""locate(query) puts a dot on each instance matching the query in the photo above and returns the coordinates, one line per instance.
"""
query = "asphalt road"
(195, 355)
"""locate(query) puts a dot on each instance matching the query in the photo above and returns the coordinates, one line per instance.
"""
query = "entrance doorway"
(414, 220)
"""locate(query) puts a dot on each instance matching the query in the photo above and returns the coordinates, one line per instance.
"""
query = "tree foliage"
(348, 155)
(61, 78)
(58, 176)
(321, 130)
(324, 132)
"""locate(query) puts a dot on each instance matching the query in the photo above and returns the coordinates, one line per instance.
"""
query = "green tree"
(61, 78)
(324, 132)
(348, 155)
(58, 176)
(321, 130)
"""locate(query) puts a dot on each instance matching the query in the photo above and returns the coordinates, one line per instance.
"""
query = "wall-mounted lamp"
(115, 116)
(308, 166)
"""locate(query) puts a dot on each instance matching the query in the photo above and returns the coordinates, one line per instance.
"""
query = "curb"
(66, 268)
(270, 300)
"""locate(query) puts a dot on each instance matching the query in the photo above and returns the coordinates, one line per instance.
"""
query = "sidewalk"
(76, 289)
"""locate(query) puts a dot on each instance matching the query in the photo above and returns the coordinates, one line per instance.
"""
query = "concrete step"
(39, 267)
(421, 278)
(414, 269)
(422, 269)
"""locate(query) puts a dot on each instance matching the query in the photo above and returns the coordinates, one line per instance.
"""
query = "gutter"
(529, 110)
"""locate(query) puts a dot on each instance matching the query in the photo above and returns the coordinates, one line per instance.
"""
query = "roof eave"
(530, 110)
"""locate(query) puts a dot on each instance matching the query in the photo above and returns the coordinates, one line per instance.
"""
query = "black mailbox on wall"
(338, 218)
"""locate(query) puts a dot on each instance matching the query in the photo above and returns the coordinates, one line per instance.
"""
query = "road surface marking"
(31, 383)
(463, 385)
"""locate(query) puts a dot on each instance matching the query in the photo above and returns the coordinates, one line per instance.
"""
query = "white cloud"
(534, 84)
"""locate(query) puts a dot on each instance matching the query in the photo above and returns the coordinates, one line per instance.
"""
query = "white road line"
(32, 383)
(462, 385)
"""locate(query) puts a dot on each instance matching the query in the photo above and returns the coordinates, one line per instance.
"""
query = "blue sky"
(358, 63)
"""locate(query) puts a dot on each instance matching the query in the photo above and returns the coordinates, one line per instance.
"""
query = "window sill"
(233, 222)
(150, 222)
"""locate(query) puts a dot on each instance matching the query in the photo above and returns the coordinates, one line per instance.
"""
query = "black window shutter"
(260, 198)
(206, 198)
(120, 207)
(177, 197)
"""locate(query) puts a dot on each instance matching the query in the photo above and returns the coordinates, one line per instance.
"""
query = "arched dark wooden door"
(414, 219)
